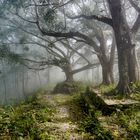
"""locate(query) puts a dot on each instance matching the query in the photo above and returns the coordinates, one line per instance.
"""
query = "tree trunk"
(123, 85)
(111, 74)
(124, 45)
(68, 73)
(107, 62)
(112, 59)
(107, 73)
(69, 77)
(133, 66)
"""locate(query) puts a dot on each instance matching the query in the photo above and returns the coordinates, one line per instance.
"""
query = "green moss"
(106, 89)
(111, 93)
(69, 87)
(77, 108)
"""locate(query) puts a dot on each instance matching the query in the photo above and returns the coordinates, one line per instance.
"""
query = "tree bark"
(107, 62)
(123, 85)
(111, 74)
(106, 75)
(133, 66)
(68, 73)
(124, 45)
(112, 59)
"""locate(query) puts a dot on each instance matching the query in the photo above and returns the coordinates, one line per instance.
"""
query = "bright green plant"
(26, 121)
(130, 120)
(91, 125)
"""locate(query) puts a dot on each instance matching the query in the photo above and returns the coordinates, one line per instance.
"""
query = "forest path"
(61, 125)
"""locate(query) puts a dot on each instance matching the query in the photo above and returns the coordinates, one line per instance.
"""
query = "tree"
(116, 19)
(45, 21)
(107, 53)
(62, 54)
(125, 47)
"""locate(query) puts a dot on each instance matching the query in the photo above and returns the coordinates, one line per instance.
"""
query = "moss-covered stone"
(94, 100)
(69, 87)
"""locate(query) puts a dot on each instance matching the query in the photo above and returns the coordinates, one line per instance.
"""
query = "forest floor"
(66, 117)
(63, 125)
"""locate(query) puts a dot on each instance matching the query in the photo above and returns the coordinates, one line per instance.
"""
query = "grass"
(35, 119)
(109, 92)
(121, 125)
(128, 123)
(25, 121)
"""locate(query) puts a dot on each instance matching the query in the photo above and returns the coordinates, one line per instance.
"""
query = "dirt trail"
(61, 125)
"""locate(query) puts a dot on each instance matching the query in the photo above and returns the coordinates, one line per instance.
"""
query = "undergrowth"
(25, 121)
(30, 120)
(91, 124)
(77, 108)
(87, 120)
(130, 120)
(127, 121)
(110, 92)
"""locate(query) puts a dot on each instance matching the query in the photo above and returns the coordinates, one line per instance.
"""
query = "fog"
(19, 82)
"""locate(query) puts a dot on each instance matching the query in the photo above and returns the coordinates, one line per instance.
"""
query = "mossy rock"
(69, 87)
(94, 99)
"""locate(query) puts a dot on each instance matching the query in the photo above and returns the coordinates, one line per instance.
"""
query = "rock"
(68, 87)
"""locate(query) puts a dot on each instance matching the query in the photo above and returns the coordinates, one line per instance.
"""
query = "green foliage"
(77, 108)
(60, 62)
(26, 121)
(111, 91)
(51, 20)
(50, 16)
(86, 119)
(130, 120)
(106, 89)
(135, 96)
(4, 51)
(90, 124)
(14, 58)
(9, 56)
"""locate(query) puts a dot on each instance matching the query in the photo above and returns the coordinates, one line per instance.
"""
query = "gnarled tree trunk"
(124, 45)
(107, 70)
(106, 60)
(68, 73)
(107, 74)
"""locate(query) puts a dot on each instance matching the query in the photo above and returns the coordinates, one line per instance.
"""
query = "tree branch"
(98, 18)
(70, 34)
(136, 25)
(135, 6)
(76, 51)
(84, 68)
